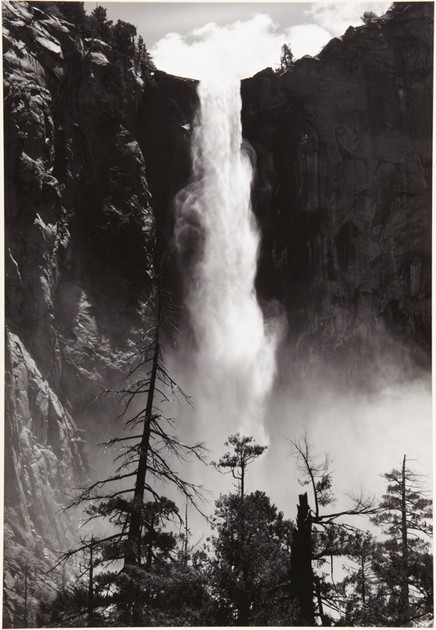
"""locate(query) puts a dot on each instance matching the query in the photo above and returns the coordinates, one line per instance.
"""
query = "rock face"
(44, 459)
(95, 152)
(79, 258)
(343, 184)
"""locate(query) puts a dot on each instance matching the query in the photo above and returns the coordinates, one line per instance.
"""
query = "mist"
(365, 430)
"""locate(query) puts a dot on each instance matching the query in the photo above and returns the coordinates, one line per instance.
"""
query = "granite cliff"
(80, 233)
(95, 151)
(343, 187)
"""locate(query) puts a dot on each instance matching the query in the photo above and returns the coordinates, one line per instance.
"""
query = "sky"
(197, 38)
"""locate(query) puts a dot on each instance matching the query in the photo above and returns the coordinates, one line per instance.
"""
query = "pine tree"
(251, 549)
(286, 57)
(405, 517)
(390, 582)
(73, 12)
(123, 37)
(250, 567)
(143, 58)
(245, 451)
(99, 25)
(361, 591)
(369, 17)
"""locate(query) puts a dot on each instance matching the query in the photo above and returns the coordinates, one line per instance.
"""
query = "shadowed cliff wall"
(343, 147)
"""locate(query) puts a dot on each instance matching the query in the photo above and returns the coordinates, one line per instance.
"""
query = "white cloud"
(337, 17)
(307, 39)
(239, 49)
(244, 47)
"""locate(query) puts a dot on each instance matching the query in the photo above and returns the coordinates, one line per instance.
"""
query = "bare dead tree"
(316, 473)
(150, 450)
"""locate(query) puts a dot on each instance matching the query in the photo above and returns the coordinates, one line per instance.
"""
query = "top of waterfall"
(221, 82)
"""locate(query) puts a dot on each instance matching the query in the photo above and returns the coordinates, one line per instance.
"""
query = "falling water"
(233, 361)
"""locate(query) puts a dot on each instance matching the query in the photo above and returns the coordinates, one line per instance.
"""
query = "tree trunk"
(242, 480)
(362, 559)
(243, 612)
(150, 545)
(301, 564)
(91, 621)
(404, 550)
(25, 620)
(325, 621)
(244, 603)
(138, 498)
(185, 542)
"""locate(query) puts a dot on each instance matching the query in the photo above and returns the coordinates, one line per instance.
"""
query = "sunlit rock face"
(343, 186)
(78, 217)
(45, 457)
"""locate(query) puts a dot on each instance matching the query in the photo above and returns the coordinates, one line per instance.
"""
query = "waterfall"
(233, 360)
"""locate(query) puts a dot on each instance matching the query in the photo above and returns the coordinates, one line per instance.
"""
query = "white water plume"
(233, 360)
